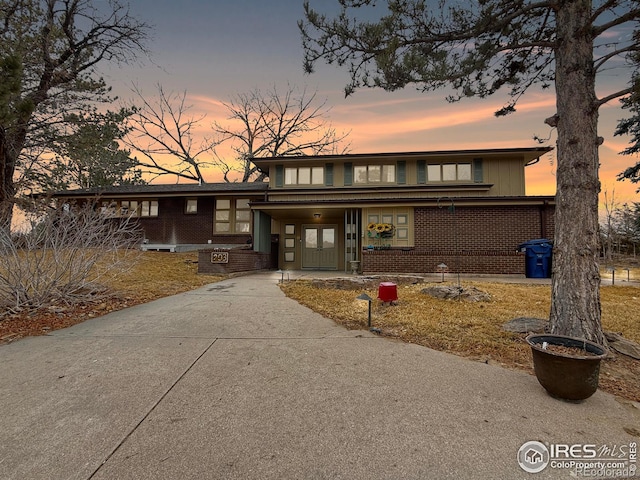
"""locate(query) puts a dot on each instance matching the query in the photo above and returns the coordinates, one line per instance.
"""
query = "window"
(464, 171)
(317, 175)
(223, 210)
(149, 208)
(374, 174)
(109, 208)
(449, 172)
(130, 208)
(399, 218)
(233, 217)
(433, 173)
(191, 206)
(290, 242)
(304, 176)
(243, 216)
(359, 174)
(290, 176)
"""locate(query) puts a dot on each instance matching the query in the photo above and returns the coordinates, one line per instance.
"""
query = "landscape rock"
(526, 325)
(447, 292)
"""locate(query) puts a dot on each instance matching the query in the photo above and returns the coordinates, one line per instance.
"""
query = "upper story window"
(374, 174)
(449, 172)
(303, 176)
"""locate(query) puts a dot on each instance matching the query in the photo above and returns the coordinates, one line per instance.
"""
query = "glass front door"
(319, 249)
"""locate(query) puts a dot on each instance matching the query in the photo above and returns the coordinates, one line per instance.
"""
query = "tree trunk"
(575, 292)
(7, 188)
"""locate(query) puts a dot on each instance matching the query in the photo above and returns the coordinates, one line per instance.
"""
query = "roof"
(168, 189)
(528, 154)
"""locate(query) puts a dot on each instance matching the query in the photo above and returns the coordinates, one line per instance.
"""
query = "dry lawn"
(160, 274)
(474, 330)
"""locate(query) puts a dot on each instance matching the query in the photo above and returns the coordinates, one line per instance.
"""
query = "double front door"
(319, 247)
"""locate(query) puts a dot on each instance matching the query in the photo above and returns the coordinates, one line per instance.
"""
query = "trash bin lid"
(536, 242)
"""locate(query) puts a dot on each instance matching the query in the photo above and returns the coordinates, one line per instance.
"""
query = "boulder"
(448, 292)
(526, 325)
(364, 281)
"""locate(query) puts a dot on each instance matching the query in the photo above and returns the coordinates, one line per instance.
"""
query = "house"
(405, 212)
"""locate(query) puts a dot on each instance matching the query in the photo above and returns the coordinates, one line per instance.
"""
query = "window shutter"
(422, 171)
(478, 176)
(348, 173)
(328, 174)
(402, 172)
(279, 176)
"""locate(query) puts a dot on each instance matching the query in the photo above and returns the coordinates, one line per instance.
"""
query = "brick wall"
(470, 240)
(240, 260)
(173, 226)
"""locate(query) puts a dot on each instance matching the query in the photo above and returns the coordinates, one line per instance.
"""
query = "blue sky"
(214, 50)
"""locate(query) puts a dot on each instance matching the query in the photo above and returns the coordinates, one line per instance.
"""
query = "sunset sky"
(214, 50)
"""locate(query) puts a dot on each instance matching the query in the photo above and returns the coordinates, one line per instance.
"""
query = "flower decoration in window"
(380, 230)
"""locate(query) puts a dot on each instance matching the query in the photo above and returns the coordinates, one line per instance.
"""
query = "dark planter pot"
(566, 376)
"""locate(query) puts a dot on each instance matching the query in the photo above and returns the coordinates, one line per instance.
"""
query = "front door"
(319, 249)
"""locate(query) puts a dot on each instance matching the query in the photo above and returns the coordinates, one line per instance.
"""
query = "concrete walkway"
(235, 381)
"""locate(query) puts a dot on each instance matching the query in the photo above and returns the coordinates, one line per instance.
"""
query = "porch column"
(261, 232)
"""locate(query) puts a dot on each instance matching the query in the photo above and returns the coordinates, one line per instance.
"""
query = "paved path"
(235, 381)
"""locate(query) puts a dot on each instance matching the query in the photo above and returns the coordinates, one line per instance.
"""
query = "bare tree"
(61, 258)
(620, 229)
(271, 124)
(479, 48)
(627, 224)
(259, 125)
(49, 51)
(608, 227)
(162, 131)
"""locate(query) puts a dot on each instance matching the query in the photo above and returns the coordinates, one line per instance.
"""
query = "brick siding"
(470, 240)
(174, 227)
(240, 260)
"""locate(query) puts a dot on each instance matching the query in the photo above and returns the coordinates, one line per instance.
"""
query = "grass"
(159, 274)
(474, 330)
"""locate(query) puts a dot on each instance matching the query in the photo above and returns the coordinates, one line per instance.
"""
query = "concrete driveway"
(235, 381)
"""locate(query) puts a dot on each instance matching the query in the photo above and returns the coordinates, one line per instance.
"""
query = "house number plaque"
(220, 257)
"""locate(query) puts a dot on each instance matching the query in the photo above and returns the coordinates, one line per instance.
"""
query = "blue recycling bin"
(538, 257)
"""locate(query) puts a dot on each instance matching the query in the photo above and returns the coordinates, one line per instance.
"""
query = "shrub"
(61, 256)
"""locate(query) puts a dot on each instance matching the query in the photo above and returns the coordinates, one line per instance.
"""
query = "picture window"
(449, 172)
(304, 176)
(374, 174)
